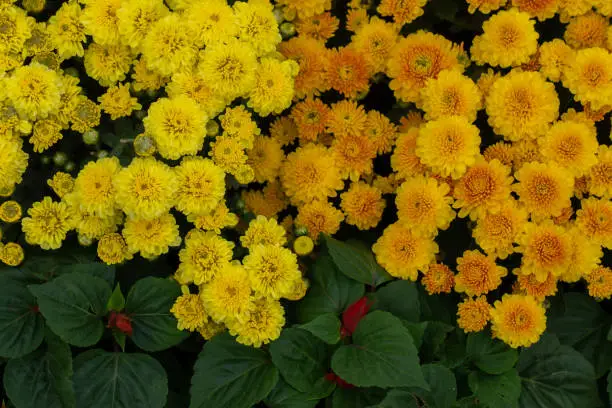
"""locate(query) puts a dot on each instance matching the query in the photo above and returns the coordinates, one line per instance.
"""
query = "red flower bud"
(121, 322)
(354, 313)
(339, 381)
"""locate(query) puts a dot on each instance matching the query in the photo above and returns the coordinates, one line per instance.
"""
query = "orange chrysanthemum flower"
(320, 27)
(600, 283)
(353, 155)
(310, 117)
(586, 31)
(362, 205)
(381, 132)
(404, 159)
(451, 94)
(375, 39)
(319, 217)
(594, 219)
(402, 11)
(284, 130)
(503, 152)
(438, 278)
(346, 118)
(532, 287)
(473, 314)
(477, 274)
(496, 232)
(313, 59)
(349, 72)
(546, 248)
(525, 151)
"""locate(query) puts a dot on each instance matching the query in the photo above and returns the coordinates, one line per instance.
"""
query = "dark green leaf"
(230, 375)
(434, 339)
(326, 327)
(116, 302)
(400, 298)
(42, 379)
(22, 329)
(556, 376)
(120, 338)
(417, 331)
(331, 291)
(609, 388)
(355, 260)
(356, 397)
(496, 391)
(440, 308)
(73, 306)
(148, 304)
(103, 271)
(397, 398)
(442, 386)
(382, 355)
(107, 380)
(580, 322)
(285, 396)
(301, 359)
(491, 356)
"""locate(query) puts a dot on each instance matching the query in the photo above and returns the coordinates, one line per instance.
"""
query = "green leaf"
(326, 327)
(73, 306)
(556, 376)
(103, 271)
(398, 398)
(355, 260)
(434, 339)
(382, 355)
(230, 375)
(399, 298)
(580, 322)
(285, 396)
(103, 379)
(356, 397)
(491, 356)
(330, 292)
(120, 338)
(42, 379)
(496, 391)
(22, 329)
(609, 388)
(301, 359)
(442, 386)
(148, 304)
(417, 331)
(116, 302)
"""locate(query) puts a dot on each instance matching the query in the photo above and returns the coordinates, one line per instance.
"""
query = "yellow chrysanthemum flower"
(540, 9)
(265, 158)
(303, 246)
(451, 94)
(319, 217)
(555, 57)
(34, 91)
(375, 39)
(45, 133)
(600, 283)
(135, 18)
(509, 39)
(572, 145)
(274, 86)
(85, 114)
(529, 285)
(496, 232)
(546, 248)
(264, 324)
(47, 224)
(272, 270)
(586, 255)
(146, 188)
(600, 175)
(213, 21)
(146, 79)
(193, 85)
(448, 145)
(201, 185)
(587, 31)
(402, 11)
(485, 6)
(13, 163)
(477, 274)
(93, 188)
(16, 29)
(177, 125)
(220, 217)
(228, 296)
(473, 314)
(67, 31)
(346, 118)
(61, 183)
(522, 105)
(403, 253)
(237, 122)
(11, 254)
(257, 25)
(189, 311)
(424, 205)
(112, 249)
(438, 278)
(404, 160)
(151, 237)
(204, 254)
(381, 132)
(91, 226)
(589, 77)
(107, 64)
(353, 155)
(118, 102)
(594, 220)
(228, 153)
(263, 231)
(518, 320)
(362, 205)
(10, 211)
(544, 189)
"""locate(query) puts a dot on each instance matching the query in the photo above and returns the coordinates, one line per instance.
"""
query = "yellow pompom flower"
(193, 85)
(362, 205)
(45, 133)
(572, 145)
(540, 9)
(228, 153)
(587, 31)
(263, 231)
(353, 155)
(229, 69)
(91, 226)
(135, 18)
(273, 90)
(518, 320)
(404, 160)
(264, 324)
(10, 211)
(381, 132)
(555, 57)
(589, 77)
(522, 105)
(85, 114)
(189, 311)
(438, 278)
(13, 163)
(309, 173)
(11, 254)
(303, 246)
(509, 39)
(284, 130)
(146, 79)
(204, 255)
(228, 296)
(112, 249)
(477, 274)
(546, 248)
(257, 25)
(93, 188)
(403, 253)
(473, 314)
(146, 188)
(266, 158)
(201, 185)
(16, 29)
(496, 232)
(238, 123)
(47, 224)
(267, 202)
(375, 39)
(451, 94)
(424, 205)
(67, 31)
(213, 21)
(402, 11)
(107, 64)
(484, 187)
(417, 58)
(177, 125)
(594, 220)
(39, 42)
(319, 217)
(600, 175)
(210, 329)
(544, 189)
(528, 284)
(34, 91)
(151, 237)
(169, 46)
(118, 102)
(272, 270)
(346, 118)
(217, 219)
(100, 20)
(61, 183)
(599, 283)
(448, 145)
(586, 255)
